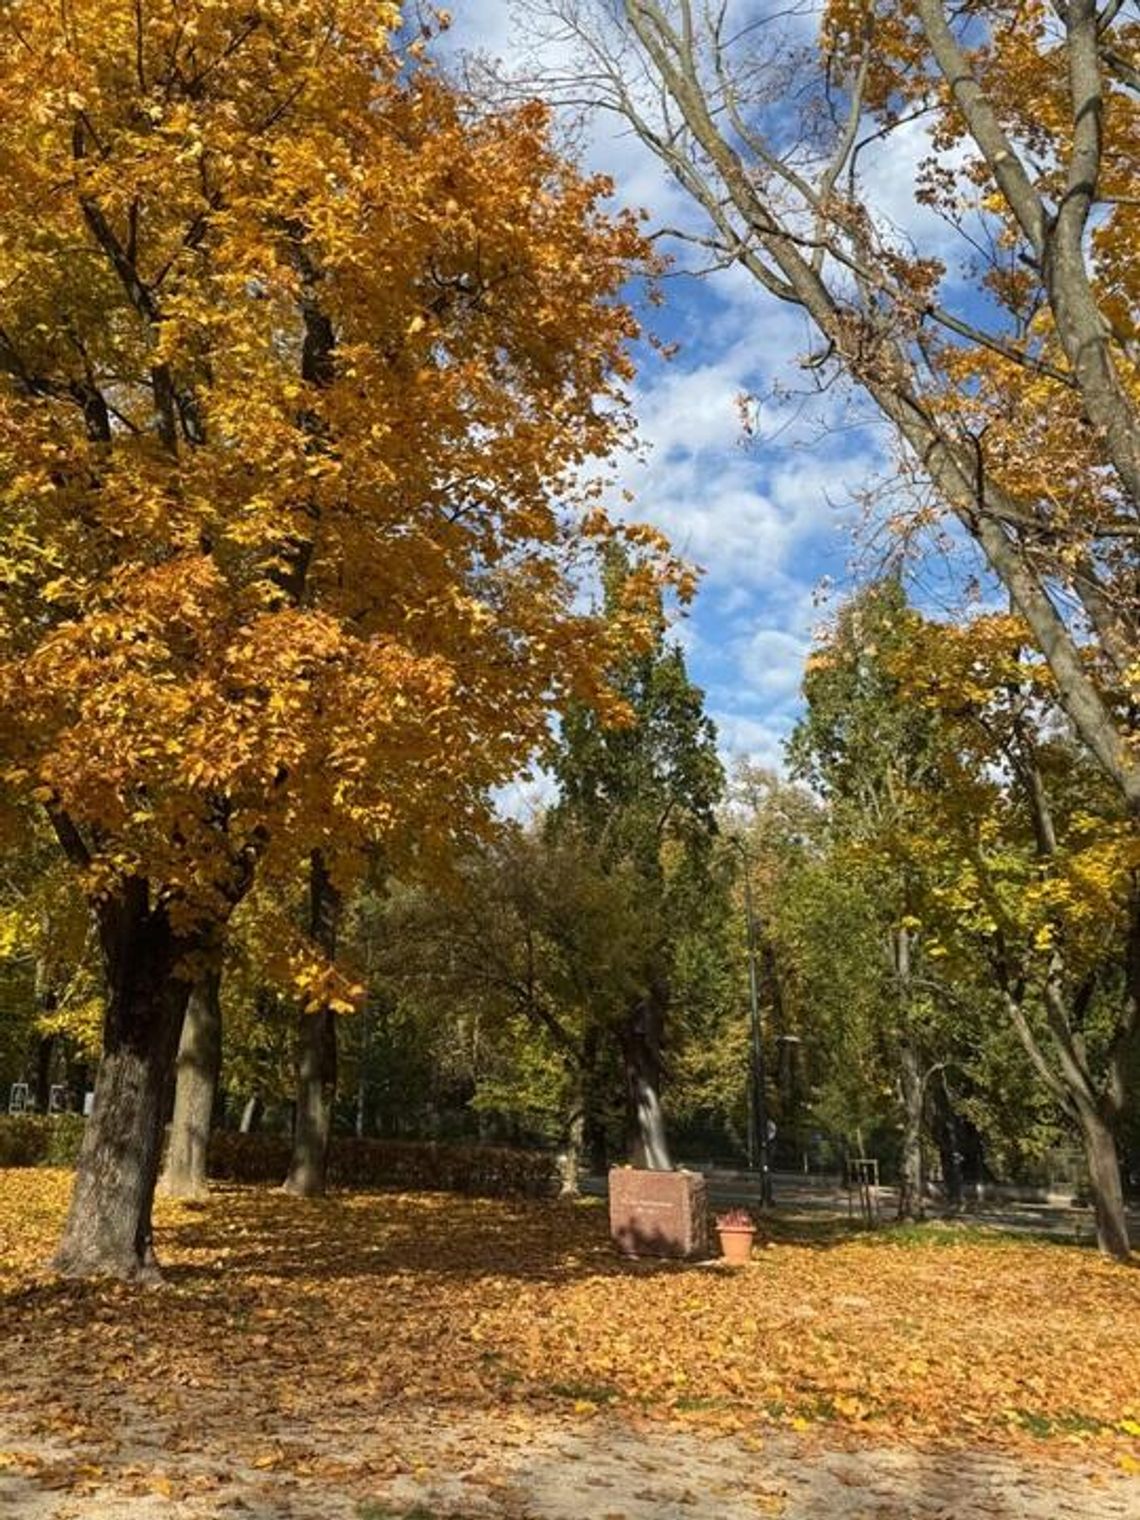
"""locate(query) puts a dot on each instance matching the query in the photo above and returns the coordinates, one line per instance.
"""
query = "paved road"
(794, 1192)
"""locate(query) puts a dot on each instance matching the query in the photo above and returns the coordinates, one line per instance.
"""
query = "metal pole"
(759, 1077)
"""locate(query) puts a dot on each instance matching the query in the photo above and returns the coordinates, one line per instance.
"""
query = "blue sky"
(771, 519)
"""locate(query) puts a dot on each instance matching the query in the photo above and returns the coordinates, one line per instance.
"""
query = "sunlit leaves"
(303, 354)
(319, 1314)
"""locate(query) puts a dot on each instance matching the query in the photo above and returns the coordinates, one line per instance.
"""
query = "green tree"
(642, 793)
(868, 753)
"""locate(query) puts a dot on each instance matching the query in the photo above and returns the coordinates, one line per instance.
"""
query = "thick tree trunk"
(197, 1070)
(1104, 1183)
(316, 1090)
(641, 1048)
(108, 1226)
(316, 1053)
(911, 1196)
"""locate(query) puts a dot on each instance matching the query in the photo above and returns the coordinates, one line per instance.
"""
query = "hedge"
(40, 1139)
(486, 1171)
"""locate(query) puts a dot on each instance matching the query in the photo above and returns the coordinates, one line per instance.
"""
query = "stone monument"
(658, 1213)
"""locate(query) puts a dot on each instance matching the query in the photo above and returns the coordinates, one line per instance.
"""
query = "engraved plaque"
(658, 1213)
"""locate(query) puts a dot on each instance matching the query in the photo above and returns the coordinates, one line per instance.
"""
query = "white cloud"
(526, 798)
(771, 663)
(759, 741)
(764, 520)
(888, 177)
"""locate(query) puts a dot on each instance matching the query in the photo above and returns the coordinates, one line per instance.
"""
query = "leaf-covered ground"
(302, 1338)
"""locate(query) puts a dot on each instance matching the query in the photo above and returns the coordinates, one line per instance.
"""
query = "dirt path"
(523, 1468)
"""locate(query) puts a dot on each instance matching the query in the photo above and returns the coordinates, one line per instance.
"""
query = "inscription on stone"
(658, 1213)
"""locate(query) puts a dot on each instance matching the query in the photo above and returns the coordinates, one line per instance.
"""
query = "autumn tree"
(302, 355)
(824, 981)
(1007, 371)
(1035, 860)
(642, 793)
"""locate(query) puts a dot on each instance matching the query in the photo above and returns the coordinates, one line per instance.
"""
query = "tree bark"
(1071, 1084)
(948, 1134)
(196, 1084)
(1104, 1183)
(108, 1226)
(45, 1050)
(594, 1140)
(911, 1200)
(316, 1053)
(316, 1090)
(641, 1048)
(572, 1164)
(251, 1116)
(912, 1086)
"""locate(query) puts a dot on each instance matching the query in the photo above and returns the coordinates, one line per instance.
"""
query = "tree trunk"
(108, 1226)
(316, 1089)
(198, 1067)
(911, 1201)
(251, 1116)
(77, 1078)
(46, 1002)
(572, 1164)
(316, 1053)
(1104, 1183)
(641, 1048)
(947, 1127)
(45, 1049)
(595, 1145)
(575, 1136)
(363, 1116)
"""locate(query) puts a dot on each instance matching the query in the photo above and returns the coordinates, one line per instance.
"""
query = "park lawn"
(287, 1329)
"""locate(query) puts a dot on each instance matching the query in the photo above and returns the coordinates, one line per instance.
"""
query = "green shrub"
(65, 1136)
(40, 1139)
(485, 1171)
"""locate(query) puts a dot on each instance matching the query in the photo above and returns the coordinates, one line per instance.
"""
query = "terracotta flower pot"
(736, 1245)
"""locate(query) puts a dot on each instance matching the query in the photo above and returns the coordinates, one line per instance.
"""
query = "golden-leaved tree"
(301, 357)
(1033, 868)
(1002, 355)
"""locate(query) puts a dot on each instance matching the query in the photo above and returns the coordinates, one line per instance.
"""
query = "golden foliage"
(1021, 400)
(303, 356)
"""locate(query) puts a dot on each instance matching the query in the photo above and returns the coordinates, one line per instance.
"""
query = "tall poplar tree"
(642, 793)
(868, 752)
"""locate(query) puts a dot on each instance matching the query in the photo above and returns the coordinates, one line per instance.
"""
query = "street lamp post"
(758, 1106)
